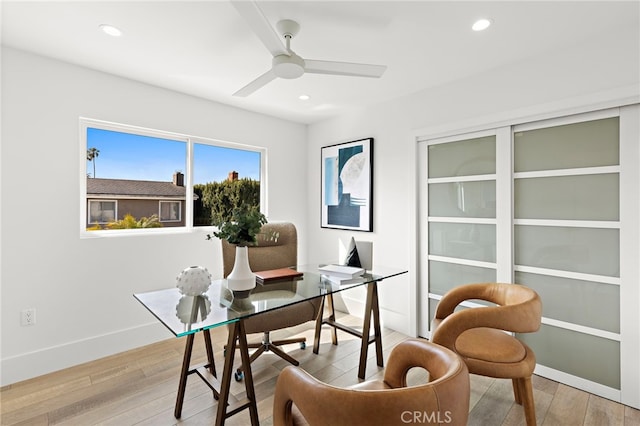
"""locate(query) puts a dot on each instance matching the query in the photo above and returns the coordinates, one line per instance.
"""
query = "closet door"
(566, 185)
(460, 211)
(554, 205)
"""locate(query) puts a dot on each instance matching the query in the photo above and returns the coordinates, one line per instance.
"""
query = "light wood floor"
(138, 387)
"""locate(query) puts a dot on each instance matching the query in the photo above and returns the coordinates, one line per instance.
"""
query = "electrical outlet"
(28, 317)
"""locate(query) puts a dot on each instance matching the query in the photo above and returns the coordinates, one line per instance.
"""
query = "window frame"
(86, 123)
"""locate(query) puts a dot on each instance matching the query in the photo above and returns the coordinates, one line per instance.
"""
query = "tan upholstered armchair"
(269, 253)
(477, 334)
(300, 398)
(274, 254)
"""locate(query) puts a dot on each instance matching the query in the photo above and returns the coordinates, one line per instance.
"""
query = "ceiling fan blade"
(256, 84)
(344, 68)
(251, 12)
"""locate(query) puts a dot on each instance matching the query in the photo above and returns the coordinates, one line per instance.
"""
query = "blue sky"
(128, 156)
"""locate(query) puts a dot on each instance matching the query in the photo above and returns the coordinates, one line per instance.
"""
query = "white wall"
(82, 288)
(593, 74)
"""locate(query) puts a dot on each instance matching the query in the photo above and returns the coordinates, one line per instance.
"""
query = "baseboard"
(33, 364)
(578, 382)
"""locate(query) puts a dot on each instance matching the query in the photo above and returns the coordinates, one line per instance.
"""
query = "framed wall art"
(347, 185)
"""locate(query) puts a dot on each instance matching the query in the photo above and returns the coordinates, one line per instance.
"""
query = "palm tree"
(92, 154)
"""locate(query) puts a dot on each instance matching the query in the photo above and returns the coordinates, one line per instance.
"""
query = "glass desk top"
(184, 315)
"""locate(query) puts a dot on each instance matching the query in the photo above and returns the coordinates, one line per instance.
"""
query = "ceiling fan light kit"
(288, 66)
(286, 63)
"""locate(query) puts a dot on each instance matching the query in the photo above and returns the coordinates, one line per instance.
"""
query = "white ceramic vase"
(241, 279)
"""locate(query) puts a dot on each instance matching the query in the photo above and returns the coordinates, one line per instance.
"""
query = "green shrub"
(130, 222)
(217, 200)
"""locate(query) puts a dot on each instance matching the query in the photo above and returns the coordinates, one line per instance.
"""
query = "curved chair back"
(518, 310)
(300, 398)
(268, 254)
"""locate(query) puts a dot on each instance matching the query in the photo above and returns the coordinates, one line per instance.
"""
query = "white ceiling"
(205, 48)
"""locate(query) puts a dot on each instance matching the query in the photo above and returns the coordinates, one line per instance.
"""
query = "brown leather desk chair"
(300, 398)
(476, 334)
(274, 254)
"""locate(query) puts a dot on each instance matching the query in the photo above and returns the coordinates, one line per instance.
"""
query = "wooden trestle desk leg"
(372, 311)
(319, 320)
(186, 368)
(236, 334)
(184, 373)
(332, 317)
(209, 348)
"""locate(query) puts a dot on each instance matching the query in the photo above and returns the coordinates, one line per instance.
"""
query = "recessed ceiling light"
(304, 97)
(110, 29)
(481, 24)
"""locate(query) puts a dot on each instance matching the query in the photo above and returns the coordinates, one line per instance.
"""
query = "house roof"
(126, 187)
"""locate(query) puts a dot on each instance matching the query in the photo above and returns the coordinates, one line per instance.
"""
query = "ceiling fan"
(286, 63)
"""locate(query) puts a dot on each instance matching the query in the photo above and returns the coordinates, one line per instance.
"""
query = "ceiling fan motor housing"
(290, 67)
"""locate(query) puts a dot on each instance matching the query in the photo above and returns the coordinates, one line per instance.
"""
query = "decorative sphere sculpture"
(194, 280)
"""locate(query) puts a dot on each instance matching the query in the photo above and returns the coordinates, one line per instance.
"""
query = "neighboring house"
(112, 199)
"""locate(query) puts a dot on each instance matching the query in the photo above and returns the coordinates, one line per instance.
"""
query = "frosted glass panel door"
(567, 246)
(461, 216)
(553, 205)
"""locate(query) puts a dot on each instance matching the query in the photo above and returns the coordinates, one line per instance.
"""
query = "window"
(142, 178)
(170, 211)
(102, 211)
(223, 176)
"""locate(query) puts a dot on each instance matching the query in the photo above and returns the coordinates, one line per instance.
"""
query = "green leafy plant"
(130, 222)
(242, 227)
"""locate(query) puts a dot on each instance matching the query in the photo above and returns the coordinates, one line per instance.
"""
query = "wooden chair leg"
(526, 394)
(516, 391)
